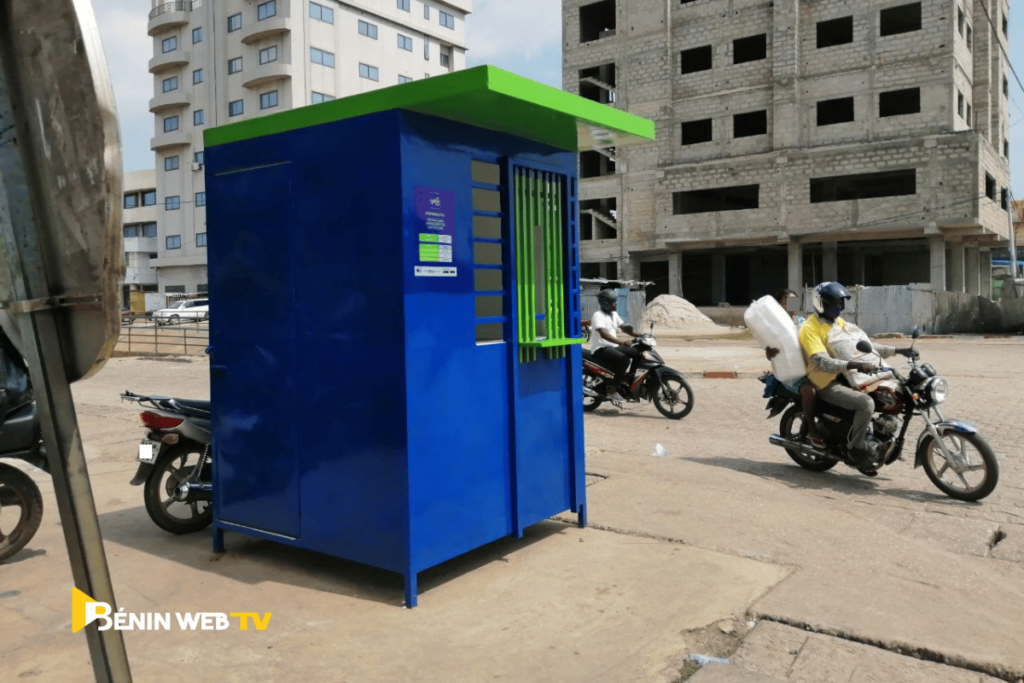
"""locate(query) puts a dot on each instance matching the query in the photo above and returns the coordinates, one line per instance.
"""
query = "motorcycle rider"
(823, 369)
(611, 350)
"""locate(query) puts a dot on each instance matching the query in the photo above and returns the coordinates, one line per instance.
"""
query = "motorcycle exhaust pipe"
(805, 448)
(587, 391)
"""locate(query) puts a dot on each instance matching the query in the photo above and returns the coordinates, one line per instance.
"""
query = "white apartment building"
(140, 231)
(863, 141)
(221, 61)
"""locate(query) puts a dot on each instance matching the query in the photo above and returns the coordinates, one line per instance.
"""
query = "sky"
(522, 36)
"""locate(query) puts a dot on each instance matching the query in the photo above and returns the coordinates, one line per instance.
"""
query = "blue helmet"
(830, 299)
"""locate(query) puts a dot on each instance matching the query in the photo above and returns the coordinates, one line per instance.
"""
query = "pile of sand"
(670, 312)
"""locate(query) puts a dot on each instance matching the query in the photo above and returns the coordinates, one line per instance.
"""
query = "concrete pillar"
(829, 262)
(786, 116)
(972, 270)
(717, 277)
(985, 272)
(675, 274)
(796, 266)
(937, 249)
(955, 273)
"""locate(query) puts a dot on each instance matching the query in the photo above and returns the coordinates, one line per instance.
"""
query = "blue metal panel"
(543, 446)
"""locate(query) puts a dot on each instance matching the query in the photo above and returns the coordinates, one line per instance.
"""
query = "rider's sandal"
(816, 442)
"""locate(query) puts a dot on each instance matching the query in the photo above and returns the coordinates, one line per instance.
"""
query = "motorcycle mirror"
(652, 327)
(915, 332)
(864, 346)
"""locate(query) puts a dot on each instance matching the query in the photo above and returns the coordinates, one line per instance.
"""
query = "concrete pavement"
(841, 577)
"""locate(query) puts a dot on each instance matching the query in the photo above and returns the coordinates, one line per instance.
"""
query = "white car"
(186, 309)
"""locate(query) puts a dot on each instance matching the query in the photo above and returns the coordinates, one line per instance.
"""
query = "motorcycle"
(955, 457)
(21, 438)
(652, 380)
(175, 462)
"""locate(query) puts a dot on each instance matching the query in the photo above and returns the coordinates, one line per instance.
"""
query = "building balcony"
(168, 260)
(176, 138)
(267, 28)
(167, 100)
(169, 60)
(140, 276)
(265, 73)
(168, 15)
(145, 245)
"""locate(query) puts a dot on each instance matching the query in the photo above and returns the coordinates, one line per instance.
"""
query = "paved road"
(839, 577)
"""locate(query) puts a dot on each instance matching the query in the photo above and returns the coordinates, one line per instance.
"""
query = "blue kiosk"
(395, 360)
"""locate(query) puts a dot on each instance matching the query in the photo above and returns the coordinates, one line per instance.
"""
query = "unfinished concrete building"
(797, 141)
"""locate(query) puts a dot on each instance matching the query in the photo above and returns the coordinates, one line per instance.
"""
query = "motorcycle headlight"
(649, 356)
(651, 341)
(937, 390)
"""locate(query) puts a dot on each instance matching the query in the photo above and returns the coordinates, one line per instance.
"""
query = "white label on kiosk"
(436, 271)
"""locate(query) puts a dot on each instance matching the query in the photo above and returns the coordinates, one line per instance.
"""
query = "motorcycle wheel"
(18, 491)
(793, 427)
(982, 473)
(173, 466)
(674, 398)
(590, 402)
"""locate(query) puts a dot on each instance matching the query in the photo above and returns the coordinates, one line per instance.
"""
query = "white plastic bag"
(842, 344)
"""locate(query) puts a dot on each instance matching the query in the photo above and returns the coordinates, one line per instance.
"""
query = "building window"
(149, 229)
(149, 198)
(899, 102)
(970, 38)
(234, 22)
(426, 48)
(960, 21)
(835, 32)
(318, 97)
(199, 158)
(131, 200)
(1006, 86)
(737, 198)
(130, 231)
(171, 163)
(321, 57)
(752, 49)
(197, 35)
(321, 13)
(405, 5)
(236, 108)
(174, 289)
(170, 84)
(696, 131)
(367, 29)
(695, 59)
(900, 19)
(835, 111)
(990, 187)
(1006, 148)
(268, 54)
(426, 11)
(863, 186)
(959, 104)
(200, 239)
(197, 76)
(970, 121)
(266, 10)
(446, 20)
(750, 124)
(173, 241)
(170, 124)
(197, 117)
(169, 44)
(1004, 200)
(404, 79)
(234, 65)
(369, 72)
(404, 42)
(445, 59)
(268, 100)
(597, 20)
(200, 199)
(172, 203)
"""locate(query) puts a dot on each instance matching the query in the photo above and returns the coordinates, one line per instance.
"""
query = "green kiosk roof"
(483, 96)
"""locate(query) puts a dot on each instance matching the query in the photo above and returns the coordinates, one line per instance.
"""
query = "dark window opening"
(863, 186)
(901, 19)
(960, 21)
(655, 272)
(1004, 200)
(899, 102)
(1006, 87)
(990, 187)
(695, 59)
(594, 164)
(835, 111)
(598, 83)
(960, 104)
(970, 38)
(599, 219)
(597, 21)
(735, 198)
(750, 49)
(751, 123)
(1006, 148)
(696, 131)
(835, 32)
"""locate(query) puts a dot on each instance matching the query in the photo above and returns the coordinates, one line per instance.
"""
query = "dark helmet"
(608, 299)
(830, 299)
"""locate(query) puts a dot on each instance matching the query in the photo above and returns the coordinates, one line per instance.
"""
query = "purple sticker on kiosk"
(435, 237)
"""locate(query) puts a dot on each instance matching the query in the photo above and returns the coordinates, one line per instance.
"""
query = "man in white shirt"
(612, 350)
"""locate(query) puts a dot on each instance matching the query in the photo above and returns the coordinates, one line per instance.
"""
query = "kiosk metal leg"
(410, 589)
(218, 539)
(581, 517)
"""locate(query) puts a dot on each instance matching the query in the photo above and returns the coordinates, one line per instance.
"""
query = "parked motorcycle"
(21, 503)
(175, 462)
(651, 381)
(954, 456)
